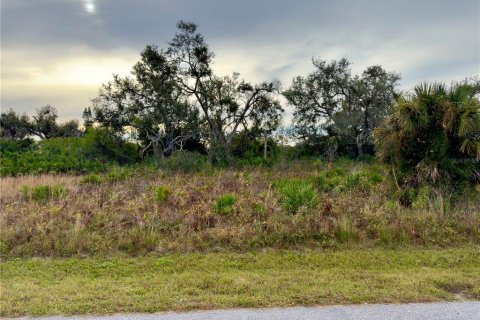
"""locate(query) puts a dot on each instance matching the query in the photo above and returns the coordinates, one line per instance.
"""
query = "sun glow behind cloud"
(89, 6)
(83, 71)
(62, 52)
(68, 84)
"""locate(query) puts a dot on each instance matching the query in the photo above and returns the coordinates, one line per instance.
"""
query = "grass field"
(226, 280)
(292, 205)
(297, 233)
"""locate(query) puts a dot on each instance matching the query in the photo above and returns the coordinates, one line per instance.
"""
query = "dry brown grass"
(124, 217)
(10, 186)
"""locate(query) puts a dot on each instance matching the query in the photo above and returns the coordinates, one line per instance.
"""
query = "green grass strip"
(228, 280)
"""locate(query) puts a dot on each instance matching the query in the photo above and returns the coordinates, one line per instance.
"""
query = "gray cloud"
(46, 39)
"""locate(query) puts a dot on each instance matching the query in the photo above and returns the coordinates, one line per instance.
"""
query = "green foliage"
(43, 192)
(329, 179)
(92, 153)
(49, 156)
(339, 180)
(224, 204)
(250, 151)
(295, 194)
(342, 125)
(149, 100)
(162, 193)
(102, 145)
(91, 179)
(8, 146)
(123, 285)
(375, 178)
(326, 183)
(14, 126)
(352, 180)
(116, 174)
(335, 172)
(228, 103)
(184, 161)
(407, 196)
(433, 136)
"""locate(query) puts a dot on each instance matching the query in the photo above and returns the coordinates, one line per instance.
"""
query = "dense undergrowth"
(293, 204)
(96, 151)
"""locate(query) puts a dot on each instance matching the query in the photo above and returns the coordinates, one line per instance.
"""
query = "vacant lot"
(298, 233)
(291, 205)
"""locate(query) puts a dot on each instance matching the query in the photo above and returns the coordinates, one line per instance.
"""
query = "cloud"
(60, 51)
(30, 81)
(90, 6)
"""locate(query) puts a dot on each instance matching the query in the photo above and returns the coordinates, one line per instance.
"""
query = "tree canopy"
(433, 135)
(330, 101)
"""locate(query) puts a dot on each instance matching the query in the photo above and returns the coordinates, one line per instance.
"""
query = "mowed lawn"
(227, 280)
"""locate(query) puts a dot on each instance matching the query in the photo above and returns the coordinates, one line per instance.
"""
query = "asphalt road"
(416, 311)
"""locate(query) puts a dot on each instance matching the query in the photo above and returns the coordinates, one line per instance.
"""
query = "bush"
(16, 146)
(432, 136)
(296, 193)
(249, 150)
(375, 178)
(91, 179)
(352, 180)
(335, 172)
(329, 179)
(324, 183)
(224, 204)
(184, 161)
(102, 145)
(58, 155)
(43, 192)
(118, 174)
(407, 196)
(92, 153)
(162, 193)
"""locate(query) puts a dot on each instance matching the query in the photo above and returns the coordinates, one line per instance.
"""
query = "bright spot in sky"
(89, 6)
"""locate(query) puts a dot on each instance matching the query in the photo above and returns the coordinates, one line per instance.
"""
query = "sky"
(59, 52)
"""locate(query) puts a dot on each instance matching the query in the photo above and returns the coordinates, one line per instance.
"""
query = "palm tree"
(433, 135)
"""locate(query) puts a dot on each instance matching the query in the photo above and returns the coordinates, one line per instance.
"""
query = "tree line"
(174, 101)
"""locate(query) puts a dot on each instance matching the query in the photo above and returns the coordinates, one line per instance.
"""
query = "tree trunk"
(220, 147)
(157, 153)
(265, 141)
(395, 177)
(360, 145)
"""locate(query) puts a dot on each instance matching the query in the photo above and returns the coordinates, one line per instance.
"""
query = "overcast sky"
(59, 52)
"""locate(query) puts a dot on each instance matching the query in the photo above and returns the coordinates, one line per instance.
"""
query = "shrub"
(407, 196)
(432, 136)
(352, 180)
(102, 145)
(324, 183)
(184, 161)
(118, 174)
(43, 192)
(329, 179)
(92, 153)
(375, 178)
(91, 179)
(296, 193)
(336, 172)
(16, 146)
(46, 156)
(224, 204)
(162, 193)
(249, 150)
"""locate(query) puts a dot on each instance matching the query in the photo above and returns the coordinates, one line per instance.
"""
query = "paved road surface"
(417, 311)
